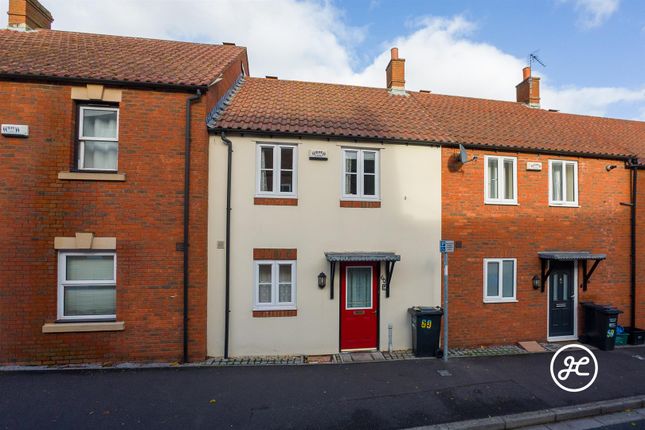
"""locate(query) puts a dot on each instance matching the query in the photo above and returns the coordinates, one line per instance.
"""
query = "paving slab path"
(370, 395)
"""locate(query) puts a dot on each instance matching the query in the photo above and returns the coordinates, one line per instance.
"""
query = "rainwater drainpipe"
(227, 282)
(189, 101)
(634, 170)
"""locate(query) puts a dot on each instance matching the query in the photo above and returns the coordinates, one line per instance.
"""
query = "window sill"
(488, 302)
(80, 327)
(360, 204)
(258, 313)
(556, 205)
(486, 202)
(275, 201)
(86, 176)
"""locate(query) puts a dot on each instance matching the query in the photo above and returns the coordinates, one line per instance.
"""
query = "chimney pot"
(395, 73)
(526, 73)
(28, 15)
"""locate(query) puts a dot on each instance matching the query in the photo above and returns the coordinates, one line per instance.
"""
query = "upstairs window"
(276, 170)
(500, 179)
(86, 286)
(563, 183)
(98, 138)
(360, 174)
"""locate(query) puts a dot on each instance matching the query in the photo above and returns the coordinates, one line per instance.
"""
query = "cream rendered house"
(335, 218)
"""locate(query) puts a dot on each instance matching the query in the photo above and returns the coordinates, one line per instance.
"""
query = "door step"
(361, 357)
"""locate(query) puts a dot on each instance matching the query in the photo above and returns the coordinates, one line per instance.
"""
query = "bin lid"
(425, 310)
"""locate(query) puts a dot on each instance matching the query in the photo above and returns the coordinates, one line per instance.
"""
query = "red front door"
(358, 305)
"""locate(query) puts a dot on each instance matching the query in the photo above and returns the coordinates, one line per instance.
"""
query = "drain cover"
(444, 373)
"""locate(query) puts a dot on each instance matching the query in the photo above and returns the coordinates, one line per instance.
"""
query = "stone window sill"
(83, 327)
(87, 176)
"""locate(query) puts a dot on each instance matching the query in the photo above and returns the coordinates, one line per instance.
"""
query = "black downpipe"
(632, 321)
(189, 101)
(227, 284)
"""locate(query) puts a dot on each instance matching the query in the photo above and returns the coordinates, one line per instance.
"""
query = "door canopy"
(582, 256)
(390, 258)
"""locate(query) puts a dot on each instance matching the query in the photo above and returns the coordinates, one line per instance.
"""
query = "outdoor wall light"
(536, 282)
(322, 280)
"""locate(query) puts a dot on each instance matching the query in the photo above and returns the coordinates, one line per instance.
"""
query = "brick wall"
(599, 225)
(144, 213)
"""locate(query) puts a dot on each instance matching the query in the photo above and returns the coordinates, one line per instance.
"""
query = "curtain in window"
(266, 169)
(284, 281)
(99, 123)
(509, 192)
(492, 178)
(100, 155)
(570, 176)
(264, 284)
(556, 177)
(88, 301)
(359, 287)
(351, 172)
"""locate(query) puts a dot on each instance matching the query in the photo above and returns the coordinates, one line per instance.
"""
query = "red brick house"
(97, 205)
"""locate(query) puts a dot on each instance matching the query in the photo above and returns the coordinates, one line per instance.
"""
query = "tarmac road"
(383, 395)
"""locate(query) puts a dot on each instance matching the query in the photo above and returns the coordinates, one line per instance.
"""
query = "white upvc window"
(98, 138)
(563, 183)
(500, 180)
(86, 286)
(361, 174)
(277, 170)
(275, 285)
(500, 276)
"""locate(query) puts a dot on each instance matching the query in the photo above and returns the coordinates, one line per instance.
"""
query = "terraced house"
(159, 204)
(336, 197)
(103, 184)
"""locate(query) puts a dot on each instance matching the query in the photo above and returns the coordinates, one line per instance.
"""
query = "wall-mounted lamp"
(610, 167)
(322, 280)
(536, 282)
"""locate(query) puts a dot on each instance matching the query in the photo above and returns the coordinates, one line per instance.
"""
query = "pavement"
(371, 395)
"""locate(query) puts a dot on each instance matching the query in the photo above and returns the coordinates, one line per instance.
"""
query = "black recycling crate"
(426, 330)
(636, 336)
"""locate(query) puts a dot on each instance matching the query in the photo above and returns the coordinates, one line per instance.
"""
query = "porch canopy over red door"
(390, 258)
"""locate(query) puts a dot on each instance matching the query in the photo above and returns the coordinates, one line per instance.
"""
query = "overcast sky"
(594, 49)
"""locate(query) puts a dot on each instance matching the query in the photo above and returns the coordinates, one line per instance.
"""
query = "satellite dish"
(463, 155)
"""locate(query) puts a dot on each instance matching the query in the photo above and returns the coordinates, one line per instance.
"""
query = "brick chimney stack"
(528, 91)
(395, 72)
(28, 15)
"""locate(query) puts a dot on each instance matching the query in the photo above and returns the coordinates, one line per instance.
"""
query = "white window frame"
(501, 181)
(564, 203)
(81, 138)
(347, 308)
(499, 298)
(63, 282)
(360, 175)
(275, 286)
(277, 167)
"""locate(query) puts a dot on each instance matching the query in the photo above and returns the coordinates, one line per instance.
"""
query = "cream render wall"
(408, 223)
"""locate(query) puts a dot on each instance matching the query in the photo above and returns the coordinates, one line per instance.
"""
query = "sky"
(594, 50)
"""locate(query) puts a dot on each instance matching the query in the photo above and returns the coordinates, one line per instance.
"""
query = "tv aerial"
(533, 58)
(463, 155)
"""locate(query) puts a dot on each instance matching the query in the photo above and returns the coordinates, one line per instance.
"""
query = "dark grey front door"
(561, 299)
